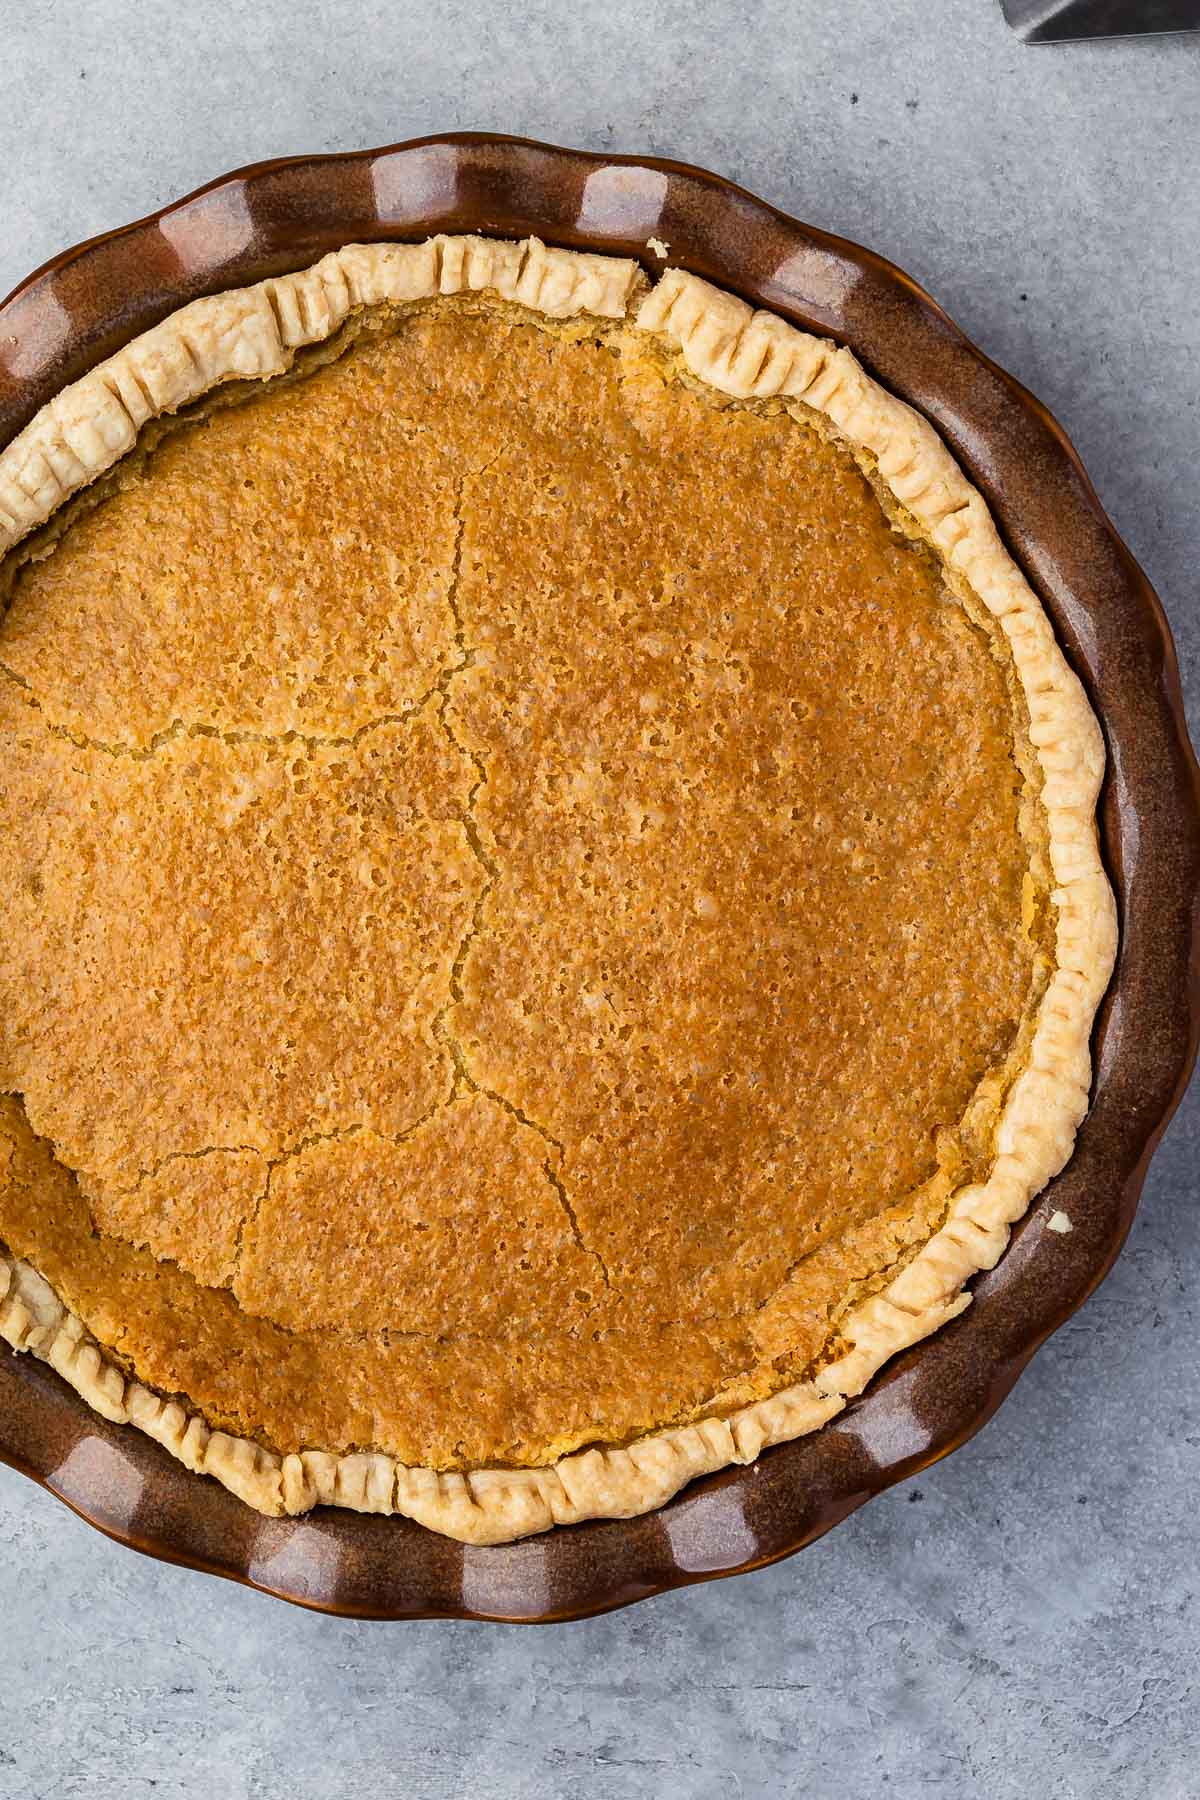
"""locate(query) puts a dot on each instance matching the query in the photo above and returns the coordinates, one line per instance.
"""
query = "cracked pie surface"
(551, 903)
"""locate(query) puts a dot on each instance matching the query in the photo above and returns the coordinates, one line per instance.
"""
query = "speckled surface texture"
(1025, 1617)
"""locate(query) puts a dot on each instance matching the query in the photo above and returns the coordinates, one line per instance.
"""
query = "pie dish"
(554, 906)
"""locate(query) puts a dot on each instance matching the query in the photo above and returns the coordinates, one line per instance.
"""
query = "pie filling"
(523, 894)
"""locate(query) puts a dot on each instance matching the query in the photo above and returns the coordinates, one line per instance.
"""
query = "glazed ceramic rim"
(282, 215)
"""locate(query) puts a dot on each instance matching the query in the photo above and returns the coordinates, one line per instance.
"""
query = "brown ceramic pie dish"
(282, 217)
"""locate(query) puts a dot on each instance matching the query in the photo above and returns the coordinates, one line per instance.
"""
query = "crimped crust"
(253, 334)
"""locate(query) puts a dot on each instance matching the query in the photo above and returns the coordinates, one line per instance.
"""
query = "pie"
(552, 910)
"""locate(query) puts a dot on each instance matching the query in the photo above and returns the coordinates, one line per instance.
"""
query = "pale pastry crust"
(253, 333)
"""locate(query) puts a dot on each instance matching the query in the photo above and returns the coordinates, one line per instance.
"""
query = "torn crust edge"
(254, 333)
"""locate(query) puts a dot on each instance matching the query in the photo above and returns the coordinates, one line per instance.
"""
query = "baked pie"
(552, 911)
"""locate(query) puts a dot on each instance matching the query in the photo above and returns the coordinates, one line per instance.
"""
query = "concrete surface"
(1025, 1619)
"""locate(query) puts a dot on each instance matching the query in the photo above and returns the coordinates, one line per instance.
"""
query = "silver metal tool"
(1056, 21)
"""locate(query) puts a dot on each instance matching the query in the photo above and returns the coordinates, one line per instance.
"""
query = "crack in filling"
(196, 728)
(337, 1135)
(437, 694)
(463, 1078)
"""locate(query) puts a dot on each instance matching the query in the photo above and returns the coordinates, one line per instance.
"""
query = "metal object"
(1056, 21)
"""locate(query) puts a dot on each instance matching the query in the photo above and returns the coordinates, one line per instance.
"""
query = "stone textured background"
(1024, 1620)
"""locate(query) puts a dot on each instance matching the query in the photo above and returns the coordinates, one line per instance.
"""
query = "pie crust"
(712, 339)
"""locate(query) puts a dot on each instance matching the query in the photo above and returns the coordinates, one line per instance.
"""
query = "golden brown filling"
(512, 878)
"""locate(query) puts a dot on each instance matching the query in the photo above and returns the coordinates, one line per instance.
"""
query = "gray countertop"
(1024, 1619)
